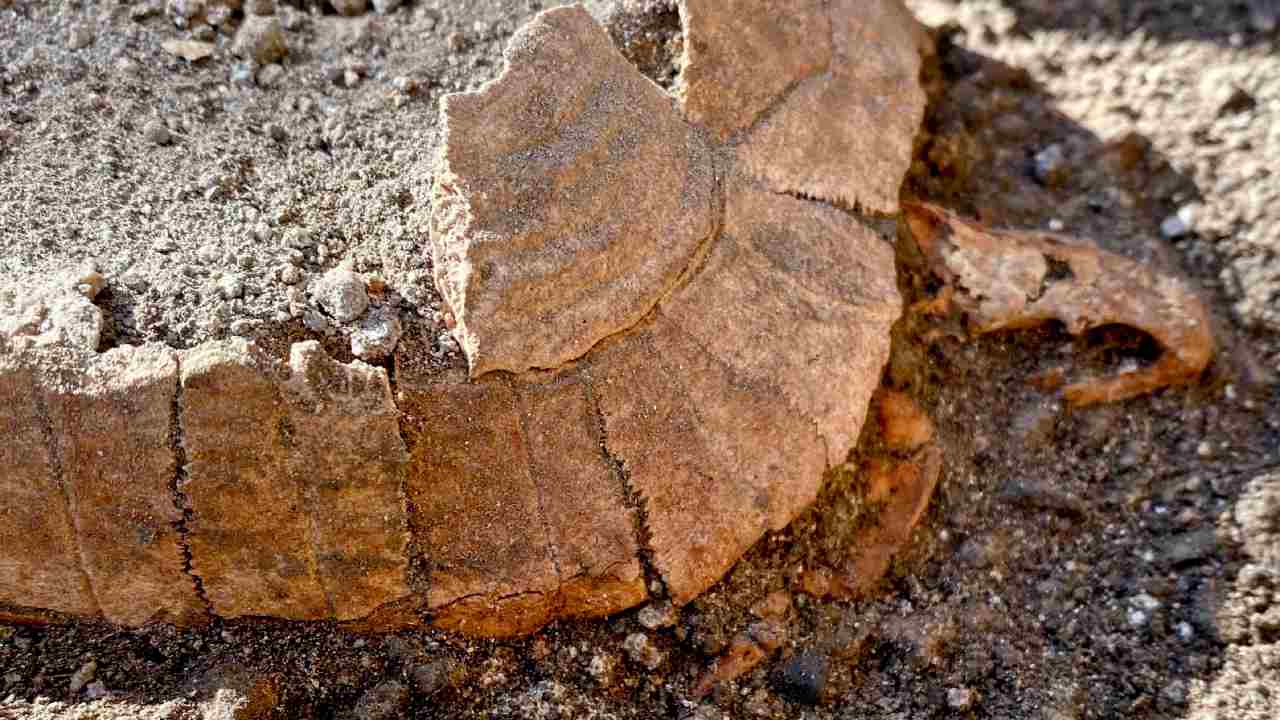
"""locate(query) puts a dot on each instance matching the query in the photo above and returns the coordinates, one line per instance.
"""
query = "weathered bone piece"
(1007, 279)
(564, 205)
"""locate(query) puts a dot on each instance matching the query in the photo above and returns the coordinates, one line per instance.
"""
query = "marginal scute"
(112, 427)
(565, 205)
(249, 532)
(347, 454)
(39, 551)
(478, 511)
(692, 435)
(88, 516)
(293, 478)
(518, 510)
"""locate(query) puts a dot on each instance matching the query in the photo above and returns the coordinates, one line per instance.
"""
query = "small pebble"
(290, 275)
(298, 238)
(656, 615)
(342, 294)
(315, 322)
(386, 7)
(261, 39)
(231, 287)
(1179, 224)
(642, 651)
(803, 678)
(209, 253)
(404, 85)
(377, 335)
(260, 7)
(79, 38)
(960, 698)
(432, 677)
(1051, 165)
(156, 132)
(83, 677)
(350, 8)
(386, 701)
(204, 33)
(241, 73)
(218, 16)
(270, 75)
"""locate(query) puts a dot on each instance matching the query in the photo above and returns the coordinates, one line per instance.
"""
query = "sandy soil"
(1117, 562)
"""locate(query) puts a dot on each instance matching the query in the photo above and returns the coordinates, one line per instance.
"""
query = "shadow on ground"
(1237, 23)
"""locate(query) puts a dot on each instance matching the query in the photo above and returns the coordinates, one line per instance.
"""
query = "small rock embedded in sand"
(86, 280)
(270, 75)
(960, 698)
(61, 313)
(803, 678)
(82, 677)
(386, 701)
(341, 293)
(350, 8)
(156, 132)
(642, 651)
(260, 7)
(376, 336)
(657, 615)
(79, 37)
(261, 39)
(190, 50)
(231, 287)
(186, 9)
(1179, 224)
(1051, 166)
(204, 33)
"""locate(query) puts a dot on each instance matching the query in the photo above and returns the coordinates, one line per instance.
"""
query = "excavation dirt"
(1115, 561)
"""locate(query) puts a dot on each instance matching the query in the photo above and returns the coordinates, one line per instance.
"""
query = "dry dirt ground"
(1122, 561)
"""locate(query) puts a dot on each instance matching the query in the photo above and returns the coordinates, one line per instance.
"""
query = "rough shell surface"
(822, 105)
(572, 203)
(685, 349)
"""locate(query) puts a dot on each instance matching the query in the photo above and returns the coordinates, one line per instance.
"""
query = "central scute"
(566, 204)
